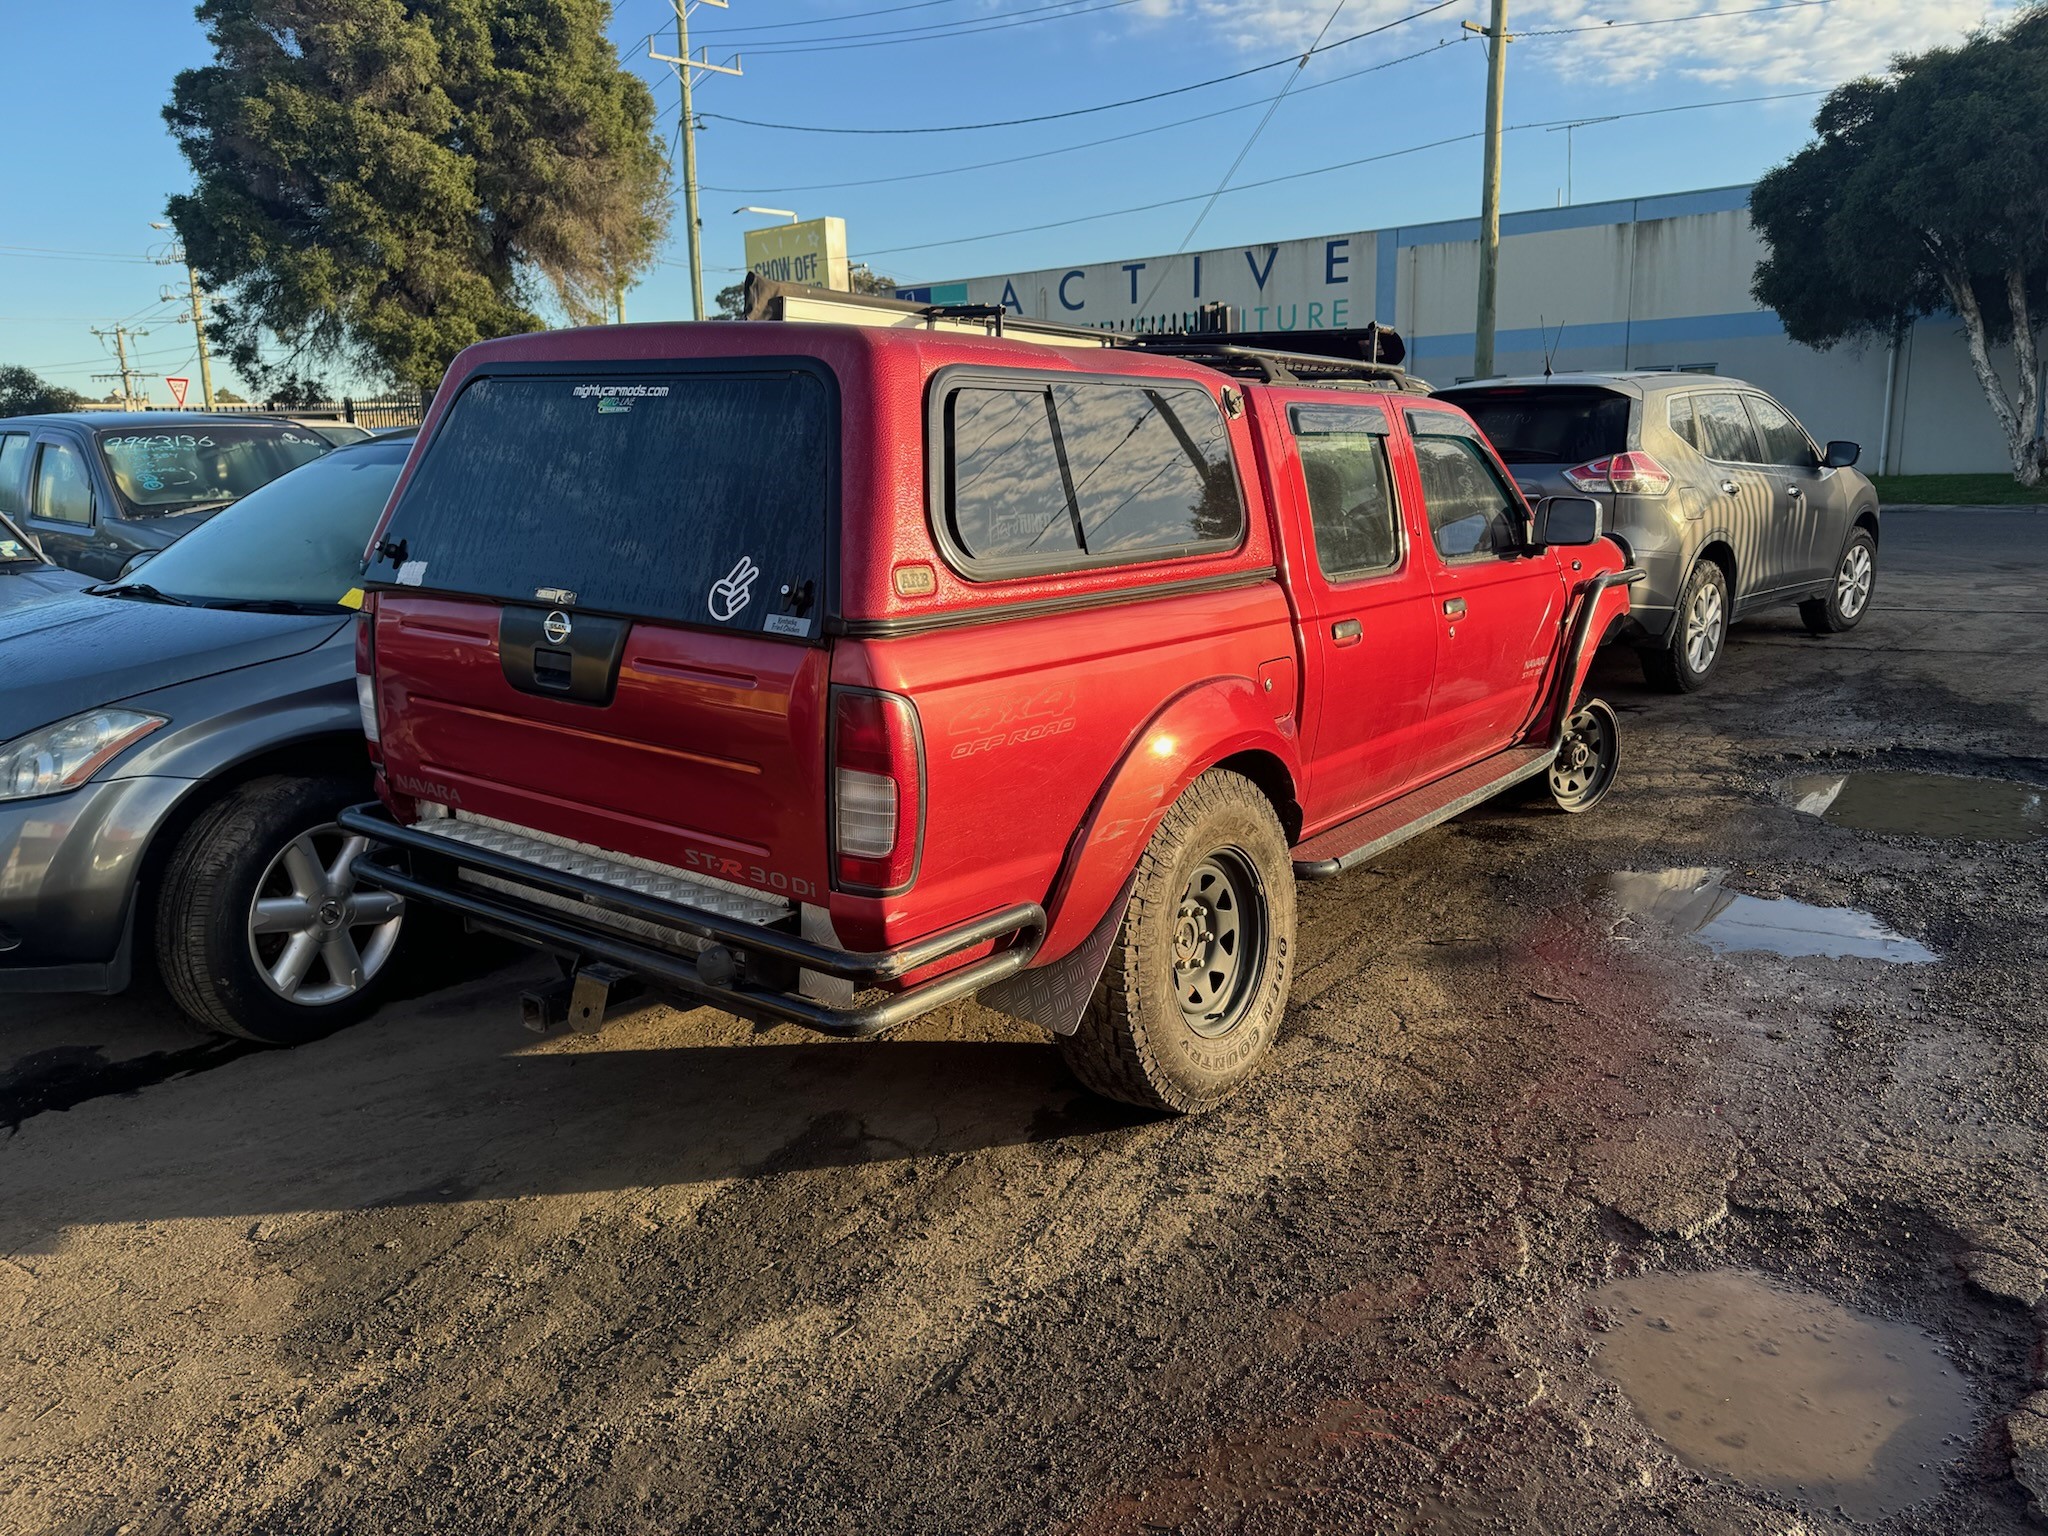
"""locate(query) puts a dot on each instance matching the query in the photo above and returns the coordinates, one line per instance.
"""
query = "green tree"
(24, 392)
(379, 183)
(1925, 192)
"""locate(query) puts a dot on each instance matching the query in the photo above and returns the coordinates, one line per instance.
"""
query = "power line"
(1107, 106)
(54, 253)
(1001, 22)
(1068, 149)
(1230, 175)
(1324, 170)
(822, 21)
(1665, 21)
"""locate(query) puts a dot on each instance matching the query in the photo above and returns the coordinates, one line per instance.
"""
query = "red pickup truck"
(832, 672)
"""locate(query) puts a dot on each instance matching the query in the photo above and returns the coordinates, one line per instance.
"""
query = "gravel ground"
(434, 1275)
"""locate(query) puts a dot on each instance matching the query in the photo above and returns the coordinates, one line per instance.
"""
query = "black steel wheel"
(1583, 770)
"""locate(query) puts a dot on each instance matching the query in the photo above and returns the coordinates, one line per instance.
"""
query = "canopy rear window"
(692, 497)
(1547, 425)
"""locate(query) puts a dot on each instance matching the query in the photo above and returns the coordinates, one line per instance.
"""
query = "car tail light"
(877, 790)
(1632, 474)
(366, 679)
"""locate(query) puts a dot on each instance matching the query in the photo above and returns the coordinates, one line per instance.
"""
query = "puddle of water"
(69, 1075)
(1693, 901)
(1924, 804)
(1785, 1390)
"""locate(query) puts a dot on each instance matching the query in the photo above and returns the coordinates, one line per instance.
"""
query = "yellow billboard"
(813, 252)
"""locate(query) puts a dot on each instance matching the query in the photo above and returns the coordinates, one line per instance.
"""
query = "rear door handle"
(1454, 608)
(1347, 631)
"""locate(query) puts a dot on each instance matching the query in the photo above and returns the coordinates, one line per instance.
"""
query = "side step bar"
(1351, 843)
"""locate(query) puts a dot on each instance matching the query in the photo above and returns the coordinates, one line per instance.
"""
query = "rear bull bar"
(719, 975)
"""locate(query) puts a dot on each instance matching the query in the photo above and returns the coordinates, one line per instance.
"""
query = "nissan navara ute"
(866, 656)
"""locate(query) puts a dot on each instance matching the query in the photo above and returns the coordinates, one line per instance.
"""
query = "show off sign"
(813, 252)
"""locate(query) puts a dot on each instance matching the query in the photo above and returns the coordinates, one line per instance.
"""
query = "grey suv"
(1710, 485)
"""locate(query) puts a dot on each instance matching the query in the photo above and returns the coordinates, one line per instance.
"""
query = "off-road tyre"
(203, 906)
(1850, 589)
(1136, 1042)
(1672, 663)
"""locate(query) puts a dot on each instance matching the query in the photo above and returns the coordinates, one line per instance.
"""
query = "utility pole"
(121, 336)
(686, 68)
(1497, 40)
(196, 297)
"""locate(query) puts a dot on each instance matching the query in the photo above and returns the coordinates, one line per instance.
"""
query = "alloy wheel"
(1705, 622)
(1219, 943)
(1853, 581)
(316, 937)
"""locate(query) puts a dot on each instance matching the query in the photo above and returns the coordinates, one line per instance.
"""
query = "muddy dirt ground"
(435, 1275)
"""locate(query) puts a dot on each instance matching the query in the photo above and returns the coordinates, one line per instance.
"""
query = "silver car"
(1710, 485)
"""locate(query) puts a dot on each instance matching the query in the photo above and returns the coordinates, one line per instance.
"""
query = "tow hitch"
(579, 1000)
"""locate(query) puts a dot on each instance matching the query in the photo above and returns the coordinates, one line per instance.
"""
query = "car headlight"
(63, 756)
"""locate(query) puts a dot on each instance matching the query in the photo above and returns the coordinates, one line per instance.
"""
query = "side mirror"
(1567, 520)
(1840, 455)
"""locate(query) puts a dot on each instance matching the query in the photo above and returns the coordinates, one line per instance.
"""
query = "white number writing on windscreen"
(158, 461)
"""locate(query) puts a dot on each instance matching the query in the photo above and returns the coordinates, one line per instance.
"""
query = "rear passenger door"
(1744, 503)
(1366, 605)
(1498, 607)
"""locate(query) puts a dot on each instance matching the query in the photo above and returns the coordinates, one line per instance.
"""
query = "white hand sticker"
(734, 590)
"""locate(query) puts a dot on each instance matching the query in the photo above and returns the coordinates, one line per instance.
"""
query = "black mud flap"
(1055, 996)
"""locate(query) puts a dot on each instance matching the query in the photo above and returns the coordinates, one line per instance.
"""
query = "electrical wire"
(1107, 106)
(1068, 149)
(1325, 170)
(1665, 21)
(1002, 21)
(1230, 175)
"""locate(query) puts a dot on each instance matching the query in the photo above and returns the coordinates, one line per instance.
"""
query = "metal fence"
(388, 411)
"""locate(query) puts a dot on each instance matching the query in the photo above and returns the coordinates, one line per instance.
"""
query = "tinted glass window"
(1783, 441)
(13, 472)
(176, 468)
(1681, 419)
(1009, 497)
(15, 548)
(696, 497)
(1075, 473)
(1548, 426)
(1470, 511)
(298, 539)
(62, 494)
(1724, 429)
(1350, 488)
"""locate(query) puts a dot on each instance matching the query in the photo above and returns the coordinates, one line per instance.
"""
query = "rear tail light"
(877, 790)
(1632, 474)
(366, 680)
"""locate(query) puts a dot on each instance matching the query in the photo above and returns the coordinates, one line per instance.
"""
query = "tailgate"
(599, 615)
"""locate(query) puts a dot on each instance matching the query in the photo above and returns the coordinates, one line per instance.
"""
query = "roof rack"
(1272, 366)
(1369, 356)
(770, 300)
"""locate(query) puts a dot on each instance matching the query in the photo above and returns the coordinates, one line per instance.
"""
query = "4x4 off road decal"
(731, 593)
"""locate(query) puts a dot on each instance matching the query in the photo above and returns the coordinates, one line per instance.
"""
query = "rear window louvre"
(693, 496)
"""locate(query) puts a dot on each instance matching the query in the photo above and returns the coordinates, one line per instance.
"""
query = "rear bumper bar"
(1023, 925)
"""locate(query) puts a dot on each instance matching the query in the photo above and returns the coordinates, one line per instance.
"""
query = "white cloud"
(1814, 45)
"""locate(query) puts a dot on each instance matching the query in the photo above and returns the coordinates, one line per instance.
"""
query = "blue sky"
(73, 253)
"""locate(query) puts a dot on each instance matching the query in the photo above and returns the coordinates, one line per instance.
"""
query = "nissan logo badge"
(556, 627)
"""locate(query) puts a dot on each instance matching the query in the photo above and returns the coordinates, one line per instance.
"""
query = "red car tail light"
(877, 790)
(1631, 474)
